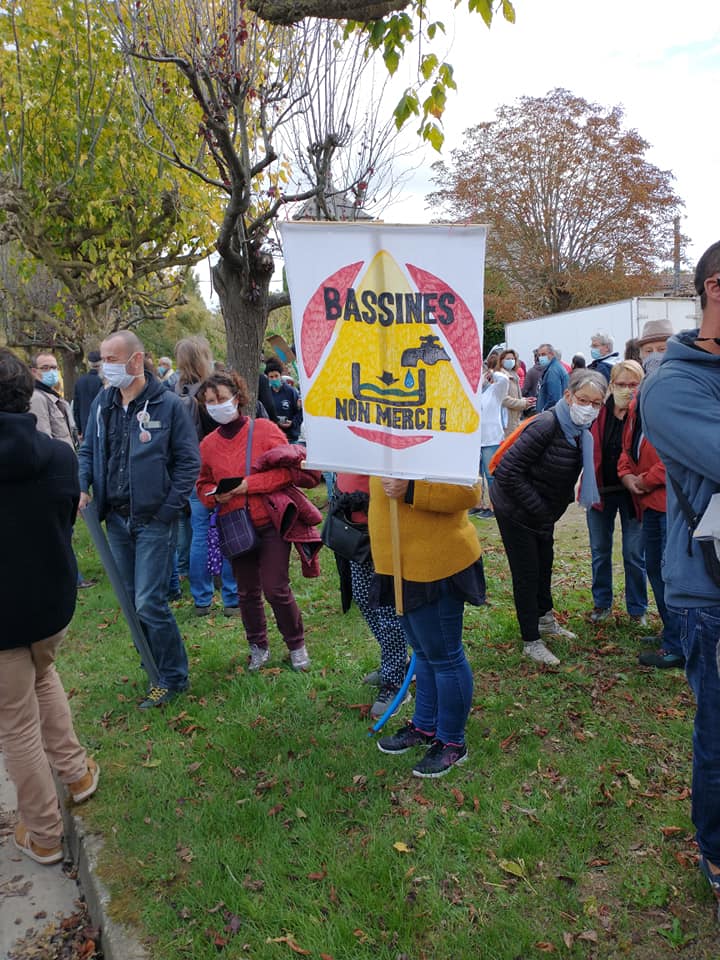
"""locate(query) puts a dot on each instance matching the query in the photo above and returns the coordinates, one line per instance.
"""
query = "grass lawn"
(254, 818)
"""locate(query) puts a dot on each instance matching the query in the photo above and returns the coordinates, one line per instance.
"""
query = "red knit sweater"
(222, 457)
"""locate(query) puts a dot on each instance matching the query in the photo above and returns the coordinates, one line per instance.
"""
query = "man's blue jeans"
(143, 553)
(601, 527)
(201, 581)
(654, 535)
(700, 639)
(443, 678)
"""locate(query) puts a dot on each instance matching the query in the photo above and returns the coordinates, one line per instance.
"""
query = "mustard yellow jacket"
(437, 538)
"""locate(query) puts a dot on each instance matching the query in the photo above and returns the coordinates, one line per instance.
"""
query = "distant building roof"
(342, 206)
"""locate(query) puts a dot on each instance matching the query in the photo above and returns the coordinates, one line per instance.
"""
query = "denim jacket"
(162, 470)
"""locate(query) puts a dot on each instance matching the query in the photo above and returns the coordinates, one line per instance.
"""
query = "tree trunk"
(245, 314)
(290, 11)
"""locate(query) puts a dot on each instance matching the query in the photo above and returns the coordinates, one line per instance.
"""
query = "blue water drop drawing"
(409, 380)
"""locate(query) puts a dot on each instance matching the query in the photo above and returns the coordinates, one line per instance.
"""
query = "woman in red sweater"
(265, 569)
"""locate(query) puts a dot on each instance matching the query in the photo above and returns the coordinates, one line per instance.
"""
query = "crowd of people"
(192, 484)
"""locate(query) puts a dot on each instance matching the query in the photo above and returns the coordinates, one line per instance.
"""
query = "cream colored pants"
(37, 735)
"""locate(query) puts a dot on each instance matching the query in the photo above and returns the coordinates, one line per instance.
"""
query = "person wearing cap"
(679, 406)
(87, 387)
(642, 473)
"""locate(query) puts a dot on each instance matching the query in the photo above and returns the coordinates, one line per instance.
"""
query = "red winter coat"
(649, 467)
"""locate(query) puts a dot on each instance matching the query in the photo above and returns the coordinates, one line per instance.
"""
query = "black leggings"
(531, 561)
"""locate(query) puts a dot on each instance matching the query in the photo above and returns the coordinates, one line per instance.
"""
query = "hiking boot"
(373, 678)
(385, 697)
(599, 614)
(232, 612)
(440, 759)
(638, 618)
(407, 737)
(86, 786)
(44, 855)
(299, 658)
(549, 627)
(258, 657)
(538, 652)
(158, 697)
(203, 611)
(661, 659)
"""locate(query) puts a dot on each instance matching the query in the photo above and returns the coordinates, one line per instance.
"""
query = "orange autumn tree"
(578, 216)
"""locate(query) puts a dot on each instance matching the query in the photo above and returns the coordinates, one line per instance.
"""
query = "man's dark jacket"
(87, 388)
(162, 471)
(39, 493)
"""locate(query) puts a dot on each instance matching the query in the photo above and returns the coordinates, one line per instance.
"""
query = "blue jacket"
(552, 386)
(679, 406)
(162, 471)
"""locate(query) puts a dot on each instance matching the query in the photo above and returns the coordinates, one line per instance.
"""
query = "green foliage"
(395, 33)
(256, 813)
(77, 190)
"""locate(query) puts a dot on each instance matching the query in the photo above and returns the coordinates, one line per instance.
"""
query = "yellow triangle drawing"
(388, 373)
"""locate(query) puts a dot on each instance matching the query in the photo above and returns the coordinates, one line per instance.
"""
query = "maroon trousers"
(265, 571)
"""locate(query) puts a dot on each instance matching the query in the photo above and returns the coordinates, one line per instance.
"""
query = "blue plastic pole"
(398, 698)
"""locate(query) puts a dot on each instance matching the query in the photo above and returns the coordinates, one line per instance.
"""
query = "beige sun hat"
(655, 330)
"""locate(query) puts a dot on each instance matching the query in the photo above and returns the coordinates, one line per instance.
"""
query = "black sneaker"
(661, 660)
(158, 697)
(440, 758)
(407, 737)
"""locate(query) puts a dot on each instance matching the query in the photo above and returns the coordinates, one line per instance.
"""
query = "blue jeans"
(654, 535)
(700, 639)
(143, 553)
(601, 527)
(486, 455)
(201, 581)
(443, 678)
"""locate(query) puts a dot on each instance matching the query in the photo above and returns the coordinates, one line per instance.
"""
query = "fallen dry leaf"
(401, 847)
(291, 943)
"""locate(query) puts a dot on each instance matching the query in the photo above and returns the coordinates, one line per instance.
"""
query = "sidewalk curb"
(118, 941)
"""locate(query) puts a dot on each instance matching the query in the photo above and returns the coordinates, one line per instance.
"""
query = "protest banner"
(388, 335)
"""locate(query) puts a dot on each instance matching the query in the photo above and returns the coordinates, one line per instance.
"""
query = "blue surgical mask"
(162, 370)
(508, 363)
(595, 353)
(51, 378)
(543, 361)
(116, 375)
(276, 384)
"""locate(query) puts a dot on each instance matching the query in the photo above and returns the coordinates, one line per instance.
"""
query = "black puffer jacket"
(536, 477)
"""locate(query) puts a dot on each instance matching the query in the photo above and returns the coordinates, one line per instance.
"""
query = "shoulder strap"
(691, 518)
(248, 456)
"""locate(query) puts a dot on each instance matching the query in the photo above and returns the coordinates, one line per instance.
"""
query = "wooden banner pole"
(396, 556)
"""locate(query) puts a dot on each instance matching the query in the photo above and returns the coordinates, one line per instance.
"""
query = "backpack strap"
(691, 517)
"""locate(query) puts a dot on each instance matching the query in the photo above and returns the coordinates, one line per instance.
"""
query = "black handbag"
(235, 529)
(348, 540)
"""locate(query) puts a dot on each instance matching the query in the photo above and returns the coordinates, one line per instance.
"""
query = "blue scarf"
(589, 493)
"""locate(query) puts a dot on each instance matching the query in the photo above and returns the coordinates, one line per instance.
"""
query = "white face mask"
(582, 415)
(117, 375)
(224, 412)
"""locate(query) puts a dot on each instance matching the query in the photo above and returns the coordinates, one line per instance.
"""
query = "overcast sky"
(659, 59)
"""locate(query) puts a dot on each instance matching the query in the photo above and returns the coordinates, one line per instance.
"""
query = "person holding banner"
(441, 570)
(534, 483)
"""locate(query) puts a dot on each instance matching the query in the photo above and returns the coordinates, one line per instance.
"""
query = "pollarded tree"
(251, 82)
(578, 216)
(77, 193)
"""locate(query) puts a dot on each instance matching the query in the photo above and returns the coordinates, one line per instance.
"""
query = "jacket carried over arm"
(162, 471)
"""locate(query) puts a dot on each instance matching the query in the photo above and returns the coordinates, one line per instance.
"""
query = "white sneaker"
(549, 627)
(299, 658)
(538, 652)
(258, 657)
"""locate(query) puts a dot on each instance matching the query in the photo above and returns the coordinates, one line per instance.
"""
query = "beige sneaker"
(549, 627)
(299, 658)
(44, 855)
(538, 652)
(258, 657)
(86, 786)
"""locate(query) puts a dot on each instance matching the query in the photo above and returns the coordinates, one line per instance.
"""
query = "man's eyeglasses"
(46, 366)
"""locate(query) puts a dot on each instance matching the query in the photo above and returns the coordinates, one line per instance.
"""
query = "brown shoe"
(86, 786)
(44, 855)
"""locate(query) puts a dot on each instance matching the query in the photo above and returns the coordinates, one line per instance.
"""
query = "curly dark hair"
(230, 379)
(16, 383)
